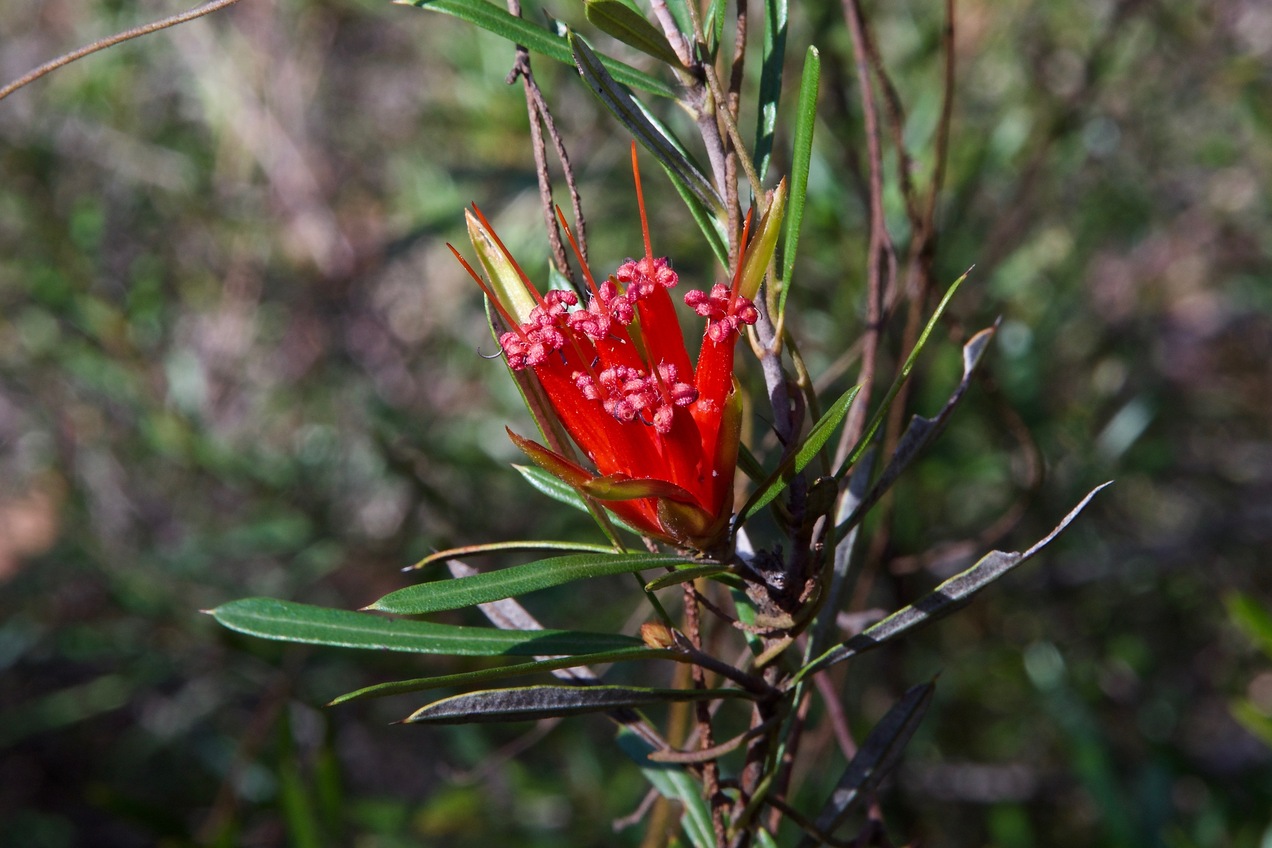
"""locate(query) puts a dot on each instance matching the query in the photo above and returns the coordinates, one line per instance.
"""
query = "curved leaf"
(941, 601)
(529, 703)
(515, 581)
(684, 575)
(520, 31)
(292, 622)
(919, 433)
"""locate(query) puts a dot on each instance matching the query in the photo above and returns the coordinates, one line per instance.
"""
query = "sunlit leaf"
(1254, 619)
(620, 21)
(292, 622)
(537, 39)
(800, 459)
(684, 575)
(515, 581)
(801, 161)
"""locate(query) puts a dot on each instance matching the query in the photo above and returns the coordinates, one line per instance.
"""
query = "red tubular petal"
(660, 331)
(714, 381)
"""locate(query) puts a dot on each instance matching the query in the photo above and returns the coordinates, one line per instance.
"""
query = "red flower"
(661, 433)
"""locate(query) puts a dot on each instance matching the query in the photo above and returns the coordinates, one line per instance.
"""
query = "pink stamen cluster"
(541, 336)
(725, 311)
(640, 276)
(629, 393)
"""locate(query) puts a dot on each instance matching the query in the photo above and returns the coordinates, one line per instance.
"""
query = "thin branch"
(881, 255)
(111, 41)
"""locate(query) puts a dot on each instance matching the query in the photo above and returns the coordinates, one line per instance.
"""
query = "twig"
(111, 41)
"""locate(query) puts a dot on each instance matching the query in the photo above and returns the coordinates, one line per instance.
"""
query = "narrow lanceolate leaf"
(876, 757)
(485, 675)
(559, 490)
(675, 783)
(771, 59)
(800, 459)
(684, 575)
(622, 22)
(494, 547)
(946, 598)
(920, 433)
(530, 703)
(801, 160)
(620, 102)
(515, 581)
(906, 368)
(291, 622)
(537, 39)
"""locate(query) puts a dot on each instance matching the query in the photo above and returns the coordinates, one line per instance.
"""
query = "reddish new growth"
(662, 433)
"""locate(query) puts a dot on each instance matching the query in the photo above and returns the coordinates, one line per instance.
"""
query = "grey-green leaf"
(515, 581)
(876, 757)
(622, 22)
(946, 598)
(772, 58)
(530, 703)
(920, 432)
(520, 31)
(621, 103)
(485, 675)
(292, 622)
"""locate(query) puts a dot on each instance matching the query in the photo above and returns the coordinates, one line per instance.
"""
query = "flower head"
(661, 432)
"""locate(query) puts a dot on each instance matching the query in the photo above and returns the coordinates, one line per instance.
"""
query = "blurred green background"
(236, 358)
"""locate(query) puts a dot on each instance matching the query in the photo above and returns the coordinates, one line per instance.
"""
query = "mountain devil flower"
(661, 432)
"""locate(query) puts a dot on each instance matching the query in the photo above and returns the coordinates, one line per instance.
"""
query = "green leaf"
(799, 460)
(559, 490)
(621, 103)
(772, 57)
(801, 160)
(1253, 618)
(904, 375)
(876, 757)
(494, 19)
(292, 622)
(420, 684)
(674, 782)
(530, 703)
(947, 597)
(622, 22)
(1254, 720)
(684, 575)
(515, 581)
(520, 545)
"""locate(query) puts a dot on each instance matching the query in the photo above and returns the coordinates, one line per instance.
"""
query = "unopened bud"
(656, 635)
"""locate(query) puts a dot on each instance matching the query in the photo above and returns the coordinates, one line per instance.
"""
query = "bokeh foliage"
(235, 358)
